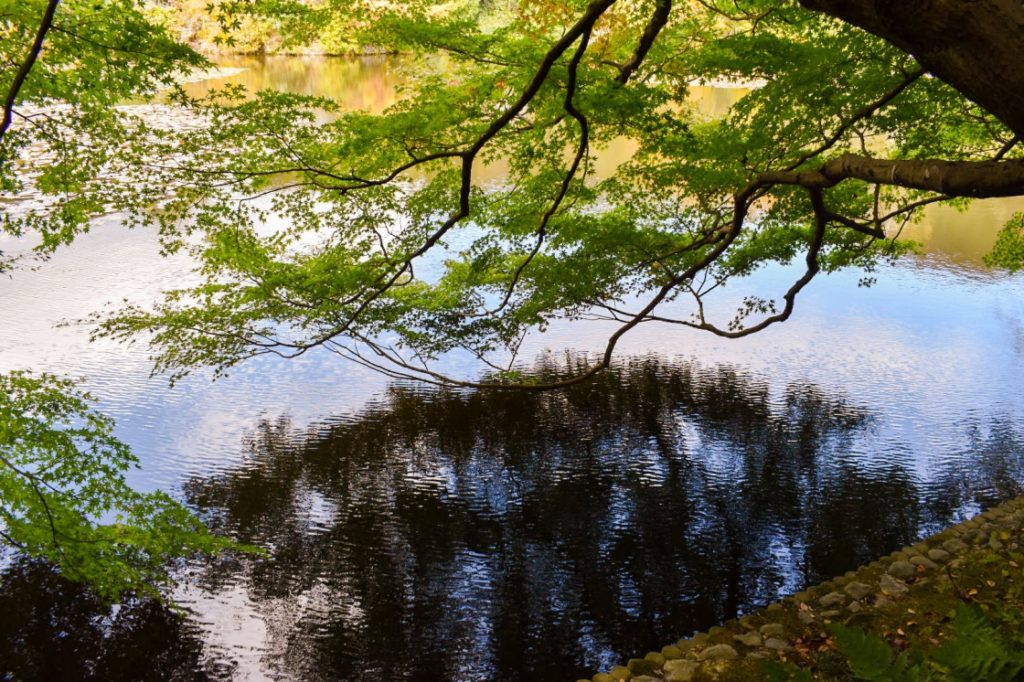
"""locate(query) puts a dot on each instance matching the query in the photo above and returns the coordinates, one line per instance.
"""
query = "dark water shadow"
(52, 629)
(464, 536)
(507, 536)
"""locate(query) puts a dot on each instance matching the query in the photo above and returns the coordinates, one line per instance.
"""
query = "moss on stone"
(620, 673)
(671, 652)
(642, 666)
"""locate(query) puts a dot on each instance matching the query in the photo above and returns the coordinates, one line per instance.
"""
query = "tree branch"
(971, 179)
(658, 20)
(563, 190)
(865, 112)
(26, 66)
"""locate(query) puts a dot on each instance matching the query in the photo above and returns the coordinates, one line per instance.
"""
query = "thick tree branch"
(977, 47)
(26, 66)
(658, 20)
(973, 179)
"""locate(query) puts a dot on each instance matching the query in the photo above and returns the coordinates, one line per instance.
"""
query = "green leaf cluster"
(64, 498)
(374, 236)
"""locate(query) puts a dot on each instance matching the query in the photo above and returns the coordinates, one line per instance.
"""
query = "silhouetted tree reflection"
(985, 472)
(448, 535)
(52, 629)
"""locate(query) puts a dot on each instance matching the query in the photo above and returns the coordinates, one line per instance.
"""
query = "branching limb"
(860, 115)
(821, 220)
(659, 18)
(581, 152)
(26, 66)
(585, 24)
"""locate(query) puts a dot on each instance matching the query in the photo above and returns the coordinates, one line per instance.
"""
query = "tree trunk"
(977, 46)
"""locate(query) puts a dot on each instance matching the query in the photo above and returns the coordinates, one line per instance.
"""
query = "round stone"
(891, 586)
(656, 658)
(620, 673)
(923, 561)
(901, 569)
(671, 652)
(718, 652)
(642, 666)
(776, 644)
(751, 639)
(832, 599)
(954, 545)
(858, 590)
(680, 671)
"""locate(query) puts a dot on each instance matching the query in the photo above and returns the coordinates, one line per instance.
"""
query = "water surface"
(429, 535)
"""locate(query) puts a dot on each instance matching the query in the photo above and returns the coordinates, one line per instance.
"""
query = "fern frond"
(978, 651)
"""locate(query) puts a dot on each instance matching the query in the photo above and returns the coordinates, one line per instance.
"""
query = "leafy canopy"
(372, 236)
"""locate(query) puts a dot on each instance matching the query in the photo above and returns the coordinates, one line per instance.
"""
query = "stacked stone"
(735, 650)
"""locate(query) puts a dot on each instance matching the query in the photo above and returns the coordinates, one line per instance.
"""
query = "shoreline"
(907, 597)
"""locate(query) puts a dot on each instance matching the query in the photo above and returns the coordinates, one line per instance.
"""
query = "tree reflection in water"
(52, 629)
(508, 536)
(468, 535)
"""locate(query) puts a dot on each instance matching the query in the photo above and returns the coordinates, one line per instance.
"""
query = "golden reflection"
(372, 84)
(364, 84)
(963, 237)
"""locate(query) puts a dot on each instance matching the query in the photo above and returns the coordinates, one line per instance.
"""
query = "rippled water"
(426, 535)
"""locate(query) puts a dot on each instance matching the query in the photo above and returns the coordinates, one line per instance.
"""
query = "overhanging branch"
(972, 179)
(26, 66)
(657, 22)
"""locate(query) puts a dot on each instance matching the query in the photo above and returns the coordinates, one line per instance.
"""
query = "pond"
(417, 534)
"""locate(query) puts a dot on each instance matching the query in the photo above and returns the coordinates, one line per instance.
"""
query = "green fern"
(979, 651)
(778, 672)
(871, 659)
